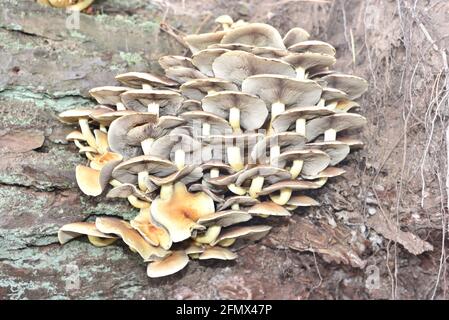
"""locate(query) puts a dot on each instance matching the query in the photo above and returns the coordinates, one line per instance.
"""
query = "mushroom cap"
(338, 122)
(222, 180)
(329, 172)
(138, 100)
(352, 142)
(251, 233)
(217, 253)
(224, 19)
(175, 61)
(236, 66)
(179, 213)
(255, 34)
(198, 187)
(224, 218)
(155, 235)
(127, 171)
(266, 52)
(92, 182)
(184, 74)
(106, 118)
(294, 36)
(302, 201)
(314, 160)
(271, 174)
(204, 59)
(73, 115)
(118, 131)
(152, 129)
(130, 236)
(344, 105)
(315, 46)
(166, 146)
(333, 94)
(290, 184)
(336, 150)
(175, 262)
(73, 230)
(253, 111)
(217, 164)
(75, 135)
(189, 105)
(286, 140)
(108, 94)
(197, 42)
(188, 174)
(268, 208)
(197, 89)
(245, 201)
(127, 189)
(217, 124)
(354, 86)
(277, 88)
(137, 79)
(307, 60)
(287, 119)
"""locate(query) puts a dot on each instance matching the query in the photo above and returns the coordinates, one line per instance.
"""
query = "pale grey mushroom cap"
(137, 79)
(198, 187)
(127, 189)
(186, 175)
(166, 146)
(255, 34)
(127, 171)
(253, 111)
(338, 122)
(345, 105)
(268, 208)
(217, 124)
(184, 74)
(353, 143)
(197, 42)
(336, 150)
(315, 46)
(139, 99)
(294, 36)
(278, 88)
(197, 89)
(354, 86)
(189, 105)
(203, 59)
(108, 95)
(250, 233)
(244, 201)
(295, 185)
(314, 160)
(236, 66)
(270, 173)
(285, 140)
(308, 60)
(224, 218)
(287, 119)
(106, 118)
(266, 52)
(175, 61)
(333, 94)
(329, 172)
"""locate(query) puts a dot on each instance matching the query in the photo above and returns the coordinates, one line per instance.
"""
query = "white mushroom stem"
(141, 180)
(235, 158)
(180, 158)
(147, 86)
(166, 191)
(256, 186)
(210, 235)
(146, 145)
(78, 144)
(120, 106)
(237, 190)
(206, 129)
(283, 196)
(234, 119)
(235, 206)
(330, 135)
(137, 203)
(275, 151)
(332, 105)
(276, 109)
(103, 128)
(300, 73)
(321, 103)
(90, 156)
(153, 108)
(301, 126)
(296, 168)
(87, 133)
(214, 173)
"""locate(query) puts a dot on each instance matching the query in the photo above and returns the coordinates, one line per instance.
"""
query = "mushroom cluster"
(77, 5)
(235, 133)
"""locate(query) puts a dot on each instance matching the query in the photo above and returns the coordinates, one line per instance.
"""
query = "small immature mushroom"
(178, 210)
(336, 150)
(199, 88)
(332, 124)
(354, 86)
(268, 208)
(164, 102)
(241, 109)
(184, 74)
(73, 230)
(204, 59)
(76, 137)
(173, 263)
(225, 21)
(294, 36)
(141, 80)
(250, 233)
(80, 116)
(282, 92)
(236, 66)
(255, 34)
(315, 46)
(109, 95)
(308, 60)
(286, 188)
(155, 235)
(304, 162)
(175, 61)
(131, 237)
(217, 253)
(197, 42)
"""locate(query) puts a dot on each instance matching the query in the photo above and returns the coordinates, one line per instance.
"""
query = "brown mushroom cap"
(251, 233)
(92, 182)
(197, 42)
(184, 74)
(271, 174)
(130, 236)
(353, 143)
(73, 230)
(175, 61)
(217, 253)
(329, 172)
(139, 99)
(315, 46)
(173, 263)
(337, 122)
(155, 235)
(290, 184)
(217, 124)
(106, 118)
(138, 79)
(287, 119)
(294, 36)
(224, 218)
(285, 140)
(268, 208)
(253, 111)
(336, 150)
(352, 85)
(245, 201)
(236, 66)
(255, 34)
(203, 59)
(314, 160)
(302, 201)
(108, 95)
(73, 115)
(277, 88)
(179, 213)
(127, 171)
(197, 89)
